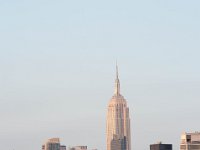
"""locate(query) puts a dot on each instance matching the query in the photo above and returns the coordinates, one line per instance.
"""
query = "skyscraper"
(118, 121)
(190, 141)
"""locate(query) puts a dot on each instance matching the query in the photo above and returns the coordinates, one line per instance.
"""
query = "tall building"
(190, 141)
(160, 146)
(53, 144)
(118, 121)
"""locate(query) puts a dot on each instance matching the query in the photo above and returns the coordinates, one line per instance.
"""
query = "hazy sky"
(57, 70)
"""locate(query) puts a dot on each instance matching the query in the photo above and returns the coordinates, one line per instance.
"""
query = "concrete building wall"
(190, 141)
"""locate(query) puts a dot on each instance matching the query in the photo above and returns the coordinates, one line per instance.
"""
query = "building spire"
(116, 71)
(117, 83)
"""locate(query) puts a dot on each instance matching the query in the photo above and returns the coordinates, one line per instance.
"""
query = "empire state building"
(118, 121)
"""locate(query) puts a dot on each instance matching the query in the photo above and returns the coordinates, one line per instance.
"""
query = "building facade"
(118, 134)
(62, 147)
(190, 141)
(78, 148)
(53, 144)
(161, 146)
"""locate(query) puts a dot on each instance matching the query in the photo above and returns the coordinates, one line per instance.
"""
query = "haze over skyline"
(57, 70)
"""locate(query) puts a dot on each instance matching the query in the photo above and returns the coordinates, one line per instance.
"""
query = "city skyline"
(57, 63)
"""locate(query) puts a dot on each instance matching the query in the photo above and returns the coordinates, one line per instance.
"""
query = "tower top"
(117, 83)
(117, 71)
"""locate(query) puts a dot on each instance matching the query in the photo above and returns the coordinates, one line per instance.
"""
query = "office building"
(52, 144)
(118, 134)
(62, 147)
(160, 146)
(78, 148)
(190, 141)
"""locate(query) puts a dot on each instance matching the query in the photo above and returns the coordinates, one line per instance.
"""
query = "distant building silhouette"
(160, 146)
(53, 144)
(190, 141)
(62, 147)
(78, 148)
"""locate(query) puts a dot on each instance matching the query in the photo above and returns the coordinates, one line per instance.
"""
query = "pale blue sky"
(57, 70)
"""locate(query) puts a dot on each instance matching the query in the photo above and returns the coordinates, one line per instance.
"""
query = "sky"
(57, 70)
